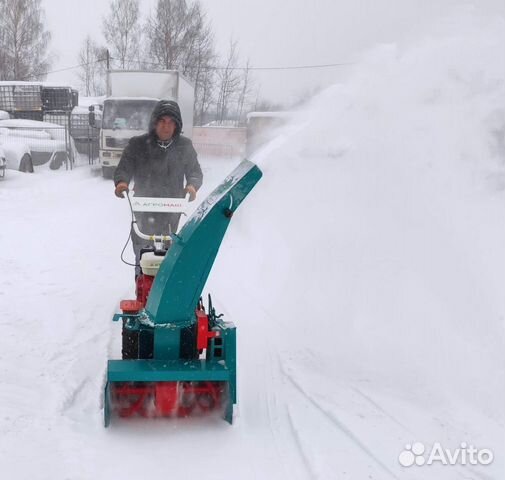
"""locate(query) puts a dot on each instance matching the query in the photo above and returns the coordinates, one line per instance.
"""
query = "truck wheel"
(108, 172)
(26, 164)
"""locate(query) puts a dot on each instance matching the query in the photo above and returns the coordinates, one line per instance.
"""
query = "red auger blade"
(167, 399)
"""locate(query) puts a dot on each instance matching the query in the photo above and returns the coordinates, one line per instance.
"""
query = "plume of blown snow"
(377, 234)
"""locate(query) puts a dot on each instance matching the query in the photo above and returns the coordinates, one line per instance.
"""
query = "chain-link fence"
(86, 138)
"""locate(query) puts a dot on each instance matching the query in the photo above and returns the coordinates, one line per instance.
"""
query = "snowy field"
(365, 274)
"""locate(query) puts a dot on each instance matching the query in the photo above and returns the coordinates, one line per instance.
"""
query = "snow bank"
(88, 101)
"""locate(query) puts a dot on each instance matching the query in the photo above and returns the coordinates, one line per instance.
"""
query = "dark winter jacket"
(157, 172)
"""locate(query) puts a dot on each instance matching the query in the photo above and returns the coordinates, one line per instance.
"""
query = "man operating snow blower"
(178, 357)
(162, 163)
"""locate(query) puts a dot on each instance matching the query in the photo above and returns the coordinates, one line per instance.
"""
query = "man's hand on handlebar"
(189, 190)
(121, 187)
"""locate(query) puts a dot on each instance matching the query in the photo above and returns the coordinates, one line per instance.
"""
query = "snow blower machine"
(178, 358)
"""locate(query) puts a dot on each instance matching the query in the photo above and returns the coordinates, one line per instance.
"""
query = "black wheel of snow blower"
(130, 350)
(188, 350)
(146, 344)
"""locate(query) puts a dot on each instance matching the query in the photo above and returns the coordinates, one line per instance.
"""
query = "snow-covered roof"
(43, 84)
(56, 85)
(87, 101)
(223, 127)
(269, 114)
(133, 98)
(21, 123)
(26, 132)
(16, 82)
(81, 110)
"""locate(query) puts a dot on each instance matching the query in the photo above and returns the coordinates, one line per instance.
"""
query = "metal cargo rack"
(57, 98)
(20, 97)
(7, 98)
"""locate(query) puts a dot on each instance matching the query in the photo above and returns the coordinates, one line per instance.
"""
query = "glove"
(192, 192)
(120, 188)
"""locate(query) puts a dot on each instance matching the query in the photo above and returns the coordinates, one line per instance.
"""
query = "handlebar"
(154, 238)
(158, 205)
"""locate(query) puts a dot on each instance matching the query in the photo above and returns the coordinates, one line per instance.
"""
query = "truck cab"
(123, 118)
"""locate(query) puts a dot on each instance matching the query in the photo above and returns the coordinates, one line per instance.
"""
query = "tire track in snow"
(298, 442)
(336, 422)
(69, 349)
(482, 476)
(277, 409)
(78, 359)
(381, 410)
(71, 398)
(274, 386)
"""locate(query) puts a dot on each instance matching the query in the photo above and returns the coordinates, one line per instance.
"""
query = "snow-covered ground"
(365, 274)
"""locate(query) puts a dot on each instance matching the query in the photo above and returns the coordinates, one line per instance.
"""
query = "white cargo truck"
(131, 97)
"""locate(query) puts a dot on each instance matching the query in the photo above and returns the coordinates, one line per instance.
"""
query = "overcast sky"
(275, 33)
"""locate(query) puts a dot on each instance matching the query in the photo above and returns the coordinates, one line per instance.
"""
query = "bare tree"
(167, 33)
(204, 96)
(23, 40)
(228, 85)
(199, 59)
(121, 29)
(197, 44)
(245, 91)
(92, 68)
(180, 38)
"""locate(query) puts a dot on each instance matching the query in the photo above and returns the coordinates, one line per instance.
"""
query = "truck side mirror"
(94, 120)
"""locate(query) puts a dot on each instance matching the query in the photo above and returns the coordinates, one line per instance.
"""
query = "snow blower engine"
(178, 358)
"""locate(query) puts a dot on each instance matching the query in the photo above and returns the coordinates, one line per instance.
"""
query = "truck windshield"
(127, 114)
